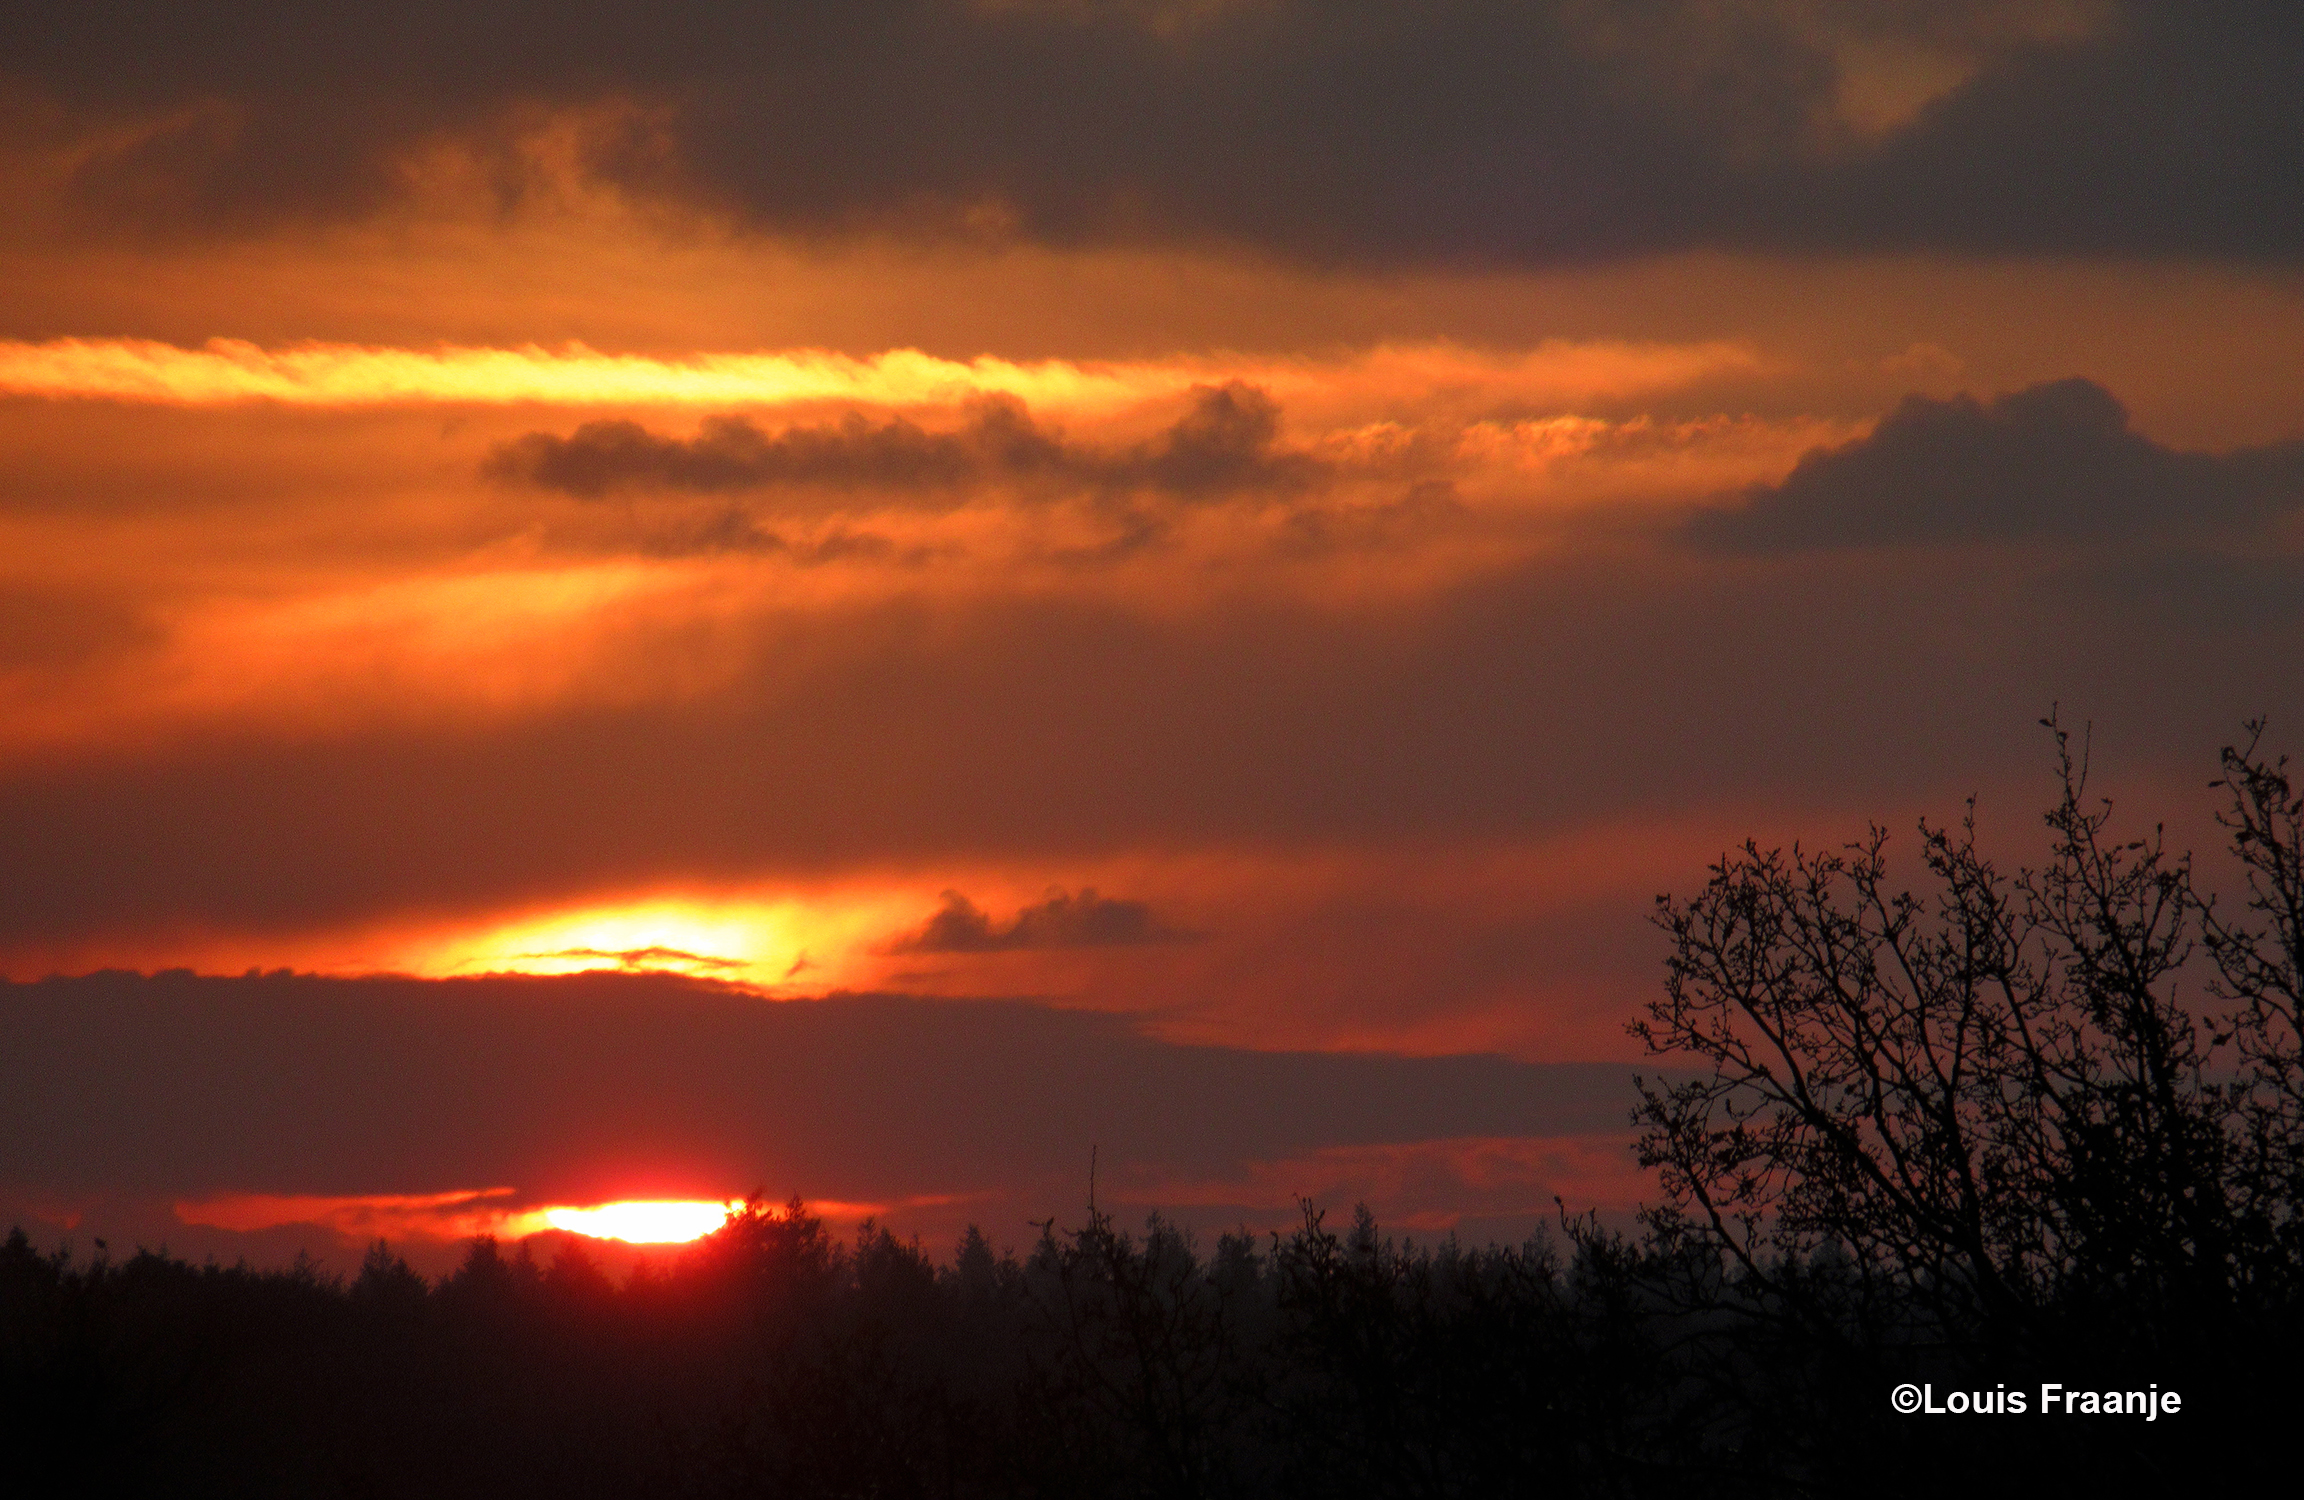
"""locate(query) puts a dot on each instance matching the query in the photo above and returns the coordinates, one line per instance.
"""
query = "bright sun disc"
(642, 1223)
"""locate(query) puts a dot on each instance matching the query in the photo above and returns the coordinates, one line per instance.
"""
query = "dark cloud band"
(1358, 130)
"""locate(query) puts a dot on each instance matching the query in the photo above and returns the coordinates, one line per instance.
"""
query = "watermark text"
(2054, 1399)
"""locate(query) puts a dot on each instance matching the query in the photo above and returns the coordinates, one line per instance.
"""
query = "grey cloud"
(1063, 920)
(2056, 460)
(1347, 130)
(1223, 444)
(2177, 128)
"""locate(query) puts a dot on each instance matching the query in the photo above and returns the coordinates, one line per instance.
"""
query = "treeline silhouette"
(2015, 1129)
(771, 1360)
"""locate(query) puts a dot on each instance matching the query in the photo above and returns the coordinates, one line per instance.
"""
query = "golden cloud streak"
(229, 370)
(225, 371)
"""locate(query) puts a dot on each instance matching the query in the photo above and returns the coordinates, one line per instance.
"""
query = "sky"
(1019, 578)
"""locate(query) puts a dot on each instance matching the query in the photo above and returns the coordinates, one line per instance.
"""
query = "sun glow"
(785, 944)
(643, 1222)
(738, 942)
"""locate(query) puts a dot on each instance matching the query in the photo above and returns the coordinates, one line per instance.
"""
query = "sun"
(643, 1221)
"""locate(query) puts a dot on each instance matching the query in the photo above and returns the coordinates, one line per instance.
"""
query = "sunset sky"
(1171, 576)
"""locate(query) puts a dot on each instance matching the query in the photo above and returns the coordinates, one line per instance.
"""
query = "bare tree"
(1987, 1115)
(2259, 971)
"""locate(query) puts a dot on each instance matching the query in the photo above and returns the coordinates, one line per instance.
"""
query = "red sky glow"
(638, 646)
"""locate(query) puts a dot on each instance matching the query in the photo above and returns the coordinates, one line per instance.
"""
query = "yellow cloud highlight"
(224, 371)
(228, 370)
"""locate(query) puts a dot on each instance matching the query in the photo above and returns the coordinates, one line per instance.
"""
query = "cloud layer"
(292, 681)
(1470, 130)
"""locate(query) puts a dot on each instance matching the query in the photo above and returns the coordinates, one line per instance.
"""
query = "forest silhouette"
(2004, 1130)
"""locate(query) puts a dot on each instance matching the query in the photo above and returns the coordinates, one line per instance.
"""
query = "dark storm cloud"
(1064, 920)
(1224, 443)
(564, 1088)
(1486, 130)
(2056, 460)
